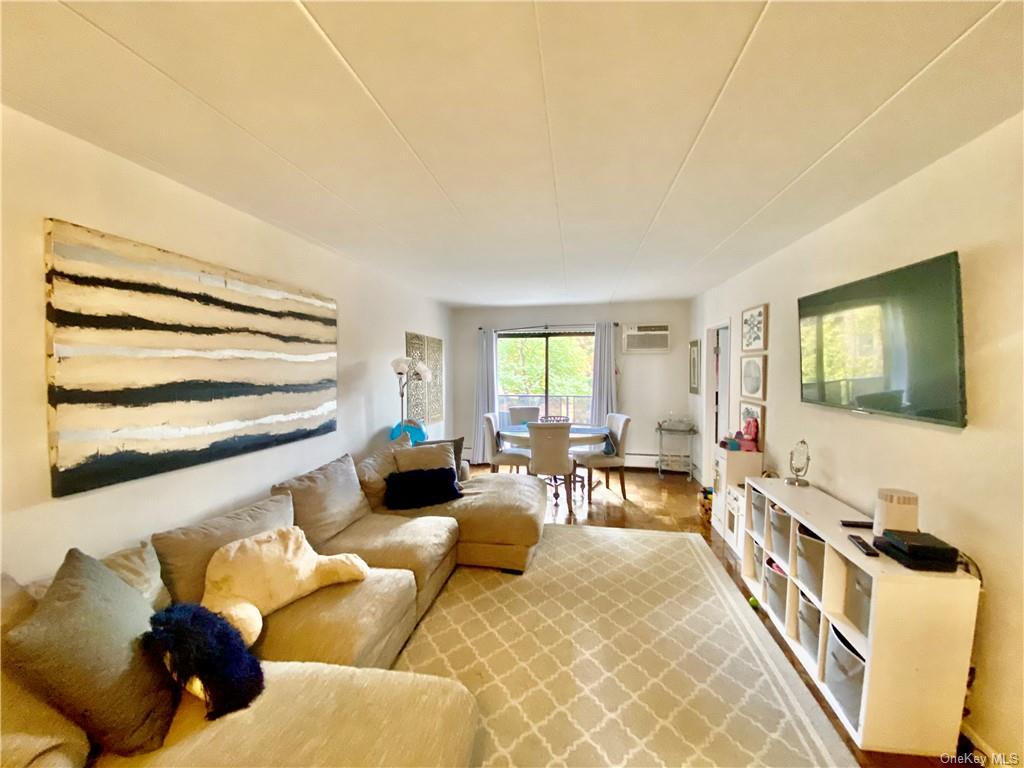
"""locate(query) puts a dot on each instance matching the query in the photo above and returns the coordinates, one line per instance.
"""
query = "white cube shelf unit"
(888, 647)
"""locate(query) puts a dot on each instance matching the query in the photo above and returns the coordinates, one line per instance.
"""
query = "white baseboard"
(979, 743)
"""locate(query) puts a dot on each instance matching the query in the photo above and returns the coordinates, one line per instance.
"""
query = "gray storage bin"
(810, 560)
(777, 587)
(758, 562)
(844, 675)
(808, 626)
(780, 522)
(857, 604)
(758, 505)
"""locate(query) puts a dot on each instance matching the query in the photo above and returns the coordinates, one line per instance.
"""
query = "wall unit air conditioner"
(649, 337)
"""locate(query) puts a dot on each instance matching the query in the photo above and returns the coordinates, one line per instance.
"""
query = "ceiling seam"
(846, 136)
(376, 102)
(551, 148)
(693, 144)
(232, 122)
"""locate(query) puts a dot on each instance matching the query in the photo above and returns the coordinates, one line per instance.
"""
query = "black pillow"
(420, 488)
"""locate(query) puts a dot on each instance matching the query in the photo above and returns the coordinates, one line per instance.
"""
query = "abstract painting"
(754, 329)
(157, 361)
(426, 398)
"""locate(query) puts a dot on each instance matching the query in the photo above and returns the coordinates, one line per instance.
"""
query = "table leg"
(661, 451)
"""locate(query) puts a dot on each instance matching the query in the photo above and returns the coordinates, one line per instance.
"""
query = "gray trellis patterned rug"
(621, 647)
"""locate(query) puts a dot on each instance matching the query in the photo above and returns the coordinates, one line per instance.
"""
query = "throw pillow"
(251, 578)
(425, 457)
(456, 444)
(138, 566)
(207, 656)
(421, 488)
(326, 500)
(185, 552)
(32, 733)
(81, 651)
(375, 468)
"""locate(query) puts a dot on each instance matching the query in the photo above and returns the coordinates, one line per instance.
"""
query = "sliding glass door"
(551, 370)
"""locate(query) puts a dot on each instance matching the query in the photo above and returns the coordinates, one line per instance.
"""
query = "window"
(552, 370)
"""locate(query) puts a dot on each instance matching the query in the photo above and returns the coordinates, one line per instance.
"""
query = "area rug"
(620, 647)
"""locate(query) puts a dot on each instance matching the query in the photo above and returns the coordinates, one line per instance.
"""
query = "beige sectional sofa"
(323, 705)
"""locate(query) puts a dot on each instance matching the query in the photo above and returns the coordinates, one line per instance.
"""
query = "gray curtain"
(605, 398)
(486, 394)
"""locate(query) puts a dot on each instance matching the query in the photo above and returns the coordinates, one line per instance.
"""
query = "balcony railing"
(576, 407)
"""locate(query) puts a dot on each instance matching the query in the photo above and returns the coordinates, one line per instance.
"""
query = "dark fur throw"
(199, 643)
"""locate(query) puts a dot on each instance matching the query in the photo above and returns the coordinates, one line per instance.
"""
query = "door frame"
(709, 439)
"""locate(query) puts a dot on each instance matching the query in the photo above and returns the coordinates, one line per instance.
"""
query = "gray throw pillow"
(80, 649)
(327, 500)
(185, 552)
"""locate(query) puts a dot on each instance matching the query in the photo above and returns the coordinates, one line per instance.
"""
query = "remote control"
(863, 546)
(856, 523)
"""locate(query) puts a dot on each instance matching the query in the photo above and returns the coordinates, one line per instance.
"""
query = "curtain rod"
(539, 327)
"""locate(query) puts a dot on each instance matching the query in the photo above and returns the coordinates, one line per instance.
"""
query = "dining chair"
(523, 414)
(618, 429)
(549, 456)
(500, 456)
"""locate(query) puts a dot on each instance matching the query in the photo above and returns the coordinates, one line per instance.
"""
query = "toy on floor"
(207, 656)
(251, 578)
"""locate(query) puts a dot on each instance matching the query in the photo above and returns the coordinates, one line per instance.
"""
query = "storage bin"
(810, 560)
(758, 503)
(778, 584)
(857, 604)
(844, 675)
(780, 523)
(808, 626)
(758, 562)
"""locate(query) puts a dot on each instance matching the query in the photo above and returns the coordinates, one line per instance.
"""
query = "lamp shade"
(422, 371)
(400, 365)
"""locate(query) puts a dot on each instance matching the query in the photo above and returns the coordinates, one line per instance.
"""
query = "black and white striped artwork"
(158, 361)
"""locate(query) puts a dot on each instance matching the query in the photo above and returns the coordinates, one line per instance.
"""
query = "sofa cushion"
(32, 733)
(185, 552)
(326, 715)
(253, 577)
(439, 456)
(350, 623)
(374, 469)
(393, 541)
(496, 509)
(421, 488)
(80, 649)
(326, 500)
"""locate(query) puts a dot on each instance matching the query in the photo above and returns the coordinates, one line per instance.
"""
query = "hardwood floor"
(670, 504)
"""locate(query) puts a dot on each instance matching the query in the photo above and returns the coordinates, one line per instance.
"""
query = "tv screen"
(891, 344)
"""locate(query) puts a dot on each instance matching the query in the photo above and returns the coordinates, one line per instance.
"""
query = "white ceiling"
(521, 153)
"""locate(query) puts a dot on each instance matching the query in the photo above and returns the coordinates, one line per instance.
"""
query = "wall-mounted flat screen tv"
(890, 344)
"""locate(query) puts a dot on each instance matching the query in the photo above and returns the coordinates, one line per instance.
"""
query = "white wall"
(969, 481)
(48, 173)
(650, 385)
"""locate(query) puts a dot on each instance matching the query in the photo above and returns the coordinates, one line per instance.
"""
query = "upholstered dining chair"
(618, 429)
(500, 456)
(523, 414)
(549, 456)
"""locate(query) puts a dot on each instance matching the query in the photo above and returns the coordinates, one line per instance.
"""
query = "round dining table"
(518, 436)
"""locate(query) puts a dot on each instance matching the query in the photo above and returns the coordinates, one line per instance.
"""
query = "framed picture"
(754, 329)
(750, 410)
(753, 378)
(695, 367)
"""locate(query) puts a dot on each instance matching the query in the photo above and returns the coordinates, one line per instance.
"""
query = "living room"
(387, 189)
